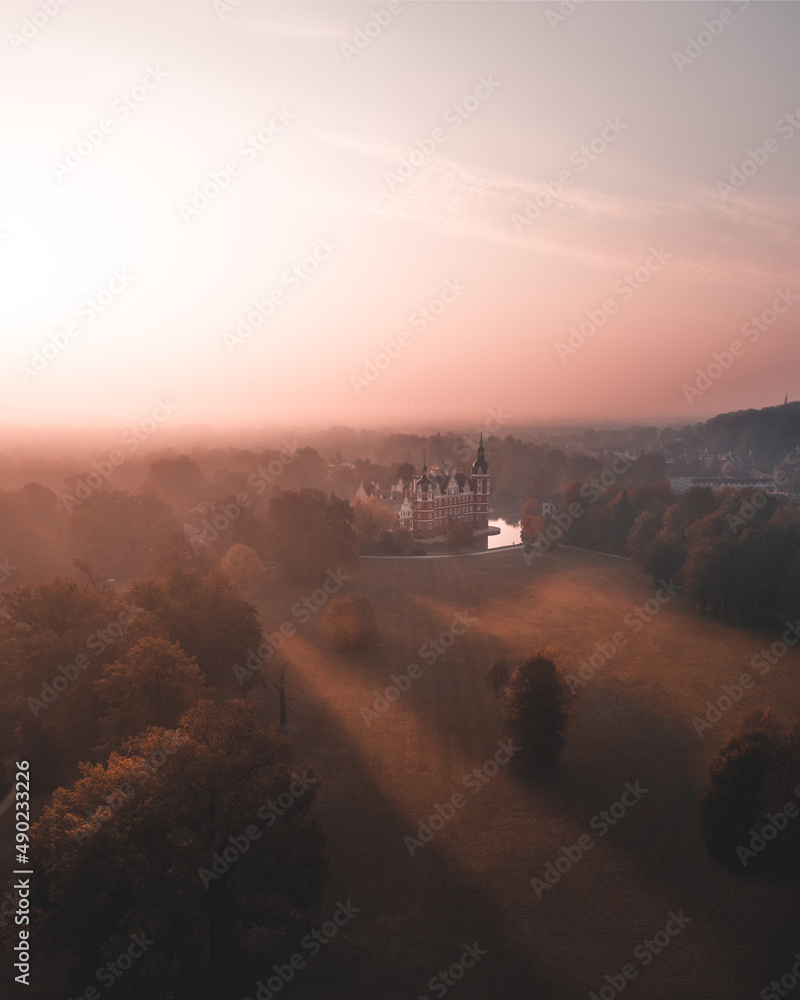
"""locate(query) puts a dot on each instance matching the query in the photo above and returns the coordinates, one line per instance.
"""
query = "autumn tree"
(153, 685)
(622, 518)
(695, 504)
(173, 549)
(531, 525)
(396, 543)
(732, 804)
(537, 712)
(204, 614)
(764, 557)
(405, 471)
(61, 607)
(54, 638)
(531, 520)
(243, 565)
(179, 481)
(371, 517)
(311, 533)
(349, 623)
(667, 555)
(710, 573)
(579, 467)
(31, 533)
(118, 532)
(178, 839)
(342, 481)
(212, 527)
(751, 778)
(307, 468)
(641, 537)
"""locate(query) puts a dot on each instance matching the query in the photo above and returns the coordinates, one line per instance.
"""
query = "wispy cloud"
(745, 243)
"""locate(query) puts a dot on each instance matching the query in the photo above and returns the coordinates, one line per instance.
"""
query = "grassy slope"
(632, 722)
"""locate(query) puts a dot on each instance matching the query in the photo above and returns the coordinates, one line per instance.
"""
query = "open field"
(632, 723)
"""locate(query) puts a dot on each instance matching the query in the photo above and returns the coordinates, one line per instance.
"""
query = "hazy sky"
(501, 166)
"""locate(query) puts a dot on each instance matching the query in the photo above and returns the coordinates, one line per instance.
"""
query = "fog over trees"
(168, 629)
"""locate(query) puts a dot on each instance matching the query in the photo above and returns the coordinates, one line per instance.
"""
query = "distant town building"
(435, 500)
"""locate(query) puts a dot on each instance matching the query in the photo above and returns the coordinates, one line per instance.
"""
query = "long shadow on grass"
(616, 741)
(420, 910)
(416, 913)
(449, 673)
(617, 736)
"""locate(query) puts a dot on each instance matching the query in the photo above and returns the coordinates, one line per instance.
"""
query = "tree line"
(157, 777)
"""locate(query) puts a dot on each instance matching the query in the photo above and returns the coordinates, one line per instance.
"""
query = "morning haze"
(399, 500)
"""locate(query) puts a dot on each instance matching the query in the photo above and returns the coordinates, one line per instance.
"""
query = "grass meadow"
(471, 882)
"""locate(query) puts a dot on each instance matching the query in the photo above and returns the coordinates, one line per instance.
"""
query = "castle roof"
(442, 479)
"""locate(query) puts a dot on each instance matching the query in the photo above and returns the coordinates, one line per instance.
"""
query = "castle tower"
(480, 487)
(424, 521)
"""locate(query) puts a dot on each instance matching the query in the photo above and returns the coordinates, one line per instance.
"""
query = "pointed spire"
(480, 465)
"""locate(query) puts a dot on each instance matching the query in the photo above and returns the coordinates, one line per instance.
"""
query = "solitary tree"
(531, 525)
(350, 623)
(752, 777)
(536, 712)
(732, 804)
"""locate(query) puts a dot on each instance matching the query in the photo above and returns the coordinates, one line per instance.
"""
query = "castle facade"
(435, 500)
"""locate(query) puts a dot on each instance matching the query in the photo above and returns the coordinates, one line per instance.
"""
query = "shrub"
(350, 623)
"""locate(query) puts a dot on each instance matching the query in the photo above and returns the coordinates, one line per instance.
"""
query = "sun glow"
(54, 241)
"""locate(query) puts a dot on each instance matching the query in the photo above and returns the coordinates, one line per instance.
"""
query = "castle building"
(435, 500)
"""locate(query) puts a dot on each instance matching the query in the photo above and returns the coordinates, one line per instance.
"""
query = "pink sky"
(395, 178)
